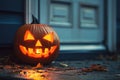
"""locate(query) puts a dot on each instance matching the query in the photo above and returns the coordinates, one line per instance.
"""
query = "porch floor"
(61, 70)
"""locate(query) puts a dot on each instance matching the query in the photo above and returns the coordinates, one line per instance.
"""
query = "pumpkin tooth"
(52, 49)
(23, 49)
(46, 52)
(30, 50)
(38, 51)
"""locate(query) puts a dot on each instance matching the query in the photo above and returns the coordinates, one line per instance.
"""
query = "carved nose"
(38, 43)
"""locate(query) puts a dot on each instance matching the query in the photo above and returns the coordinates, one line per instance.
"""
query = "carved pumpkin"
(36, 43)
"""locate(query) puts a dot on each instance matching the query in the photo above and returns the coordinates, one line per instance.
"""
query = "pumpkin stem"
(35, 21)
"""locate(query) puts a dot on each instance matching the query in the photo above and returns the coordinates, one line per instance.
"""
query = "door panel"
(77, 21)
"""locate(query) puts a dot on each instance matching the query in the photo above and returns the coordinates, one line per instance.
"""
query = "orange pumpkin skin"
(36, 43)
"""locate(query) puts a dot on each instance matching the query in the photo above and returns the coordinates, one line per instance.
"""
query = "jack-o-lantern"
(36, 43)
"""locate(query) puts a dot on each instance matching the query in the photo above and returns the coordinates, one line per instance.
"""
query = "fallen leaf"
(7, 67)
(63, 65)
(98, 67)
(38, 66)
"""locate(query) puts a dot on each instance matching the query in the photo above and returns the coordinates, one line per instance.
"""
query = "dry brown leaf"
(7, 67)
(38, 66)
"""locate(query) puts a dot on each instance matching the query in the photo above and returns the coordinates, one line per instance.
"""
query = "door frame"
(111, 23)
(32, 8)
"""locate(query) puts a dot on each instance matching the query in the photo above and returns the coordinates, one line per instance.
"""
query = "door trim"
(111, 22)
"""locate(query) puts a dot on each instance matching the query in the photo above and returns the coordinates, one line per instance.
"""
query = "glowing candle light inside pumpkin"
(30, 50)
(28, 36)
(38, 51)
(38, 43)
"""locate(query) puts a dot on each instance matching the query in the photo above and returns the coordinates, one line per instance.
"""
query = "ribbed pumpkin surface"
(36, 43)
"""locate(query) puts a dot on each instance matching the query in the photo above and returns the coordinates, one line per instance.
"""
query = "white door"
(75, 21)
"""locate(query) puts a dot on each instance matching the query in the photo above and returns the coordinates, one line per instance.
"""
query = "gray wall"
(11, 17)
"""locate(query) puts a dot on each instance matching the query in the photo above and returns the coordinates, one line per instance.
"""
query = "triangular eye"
(28, 36)
(49, 37)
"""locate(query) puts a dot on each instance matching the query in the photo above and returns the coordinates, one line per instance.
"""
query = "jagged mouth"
(37, 52)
